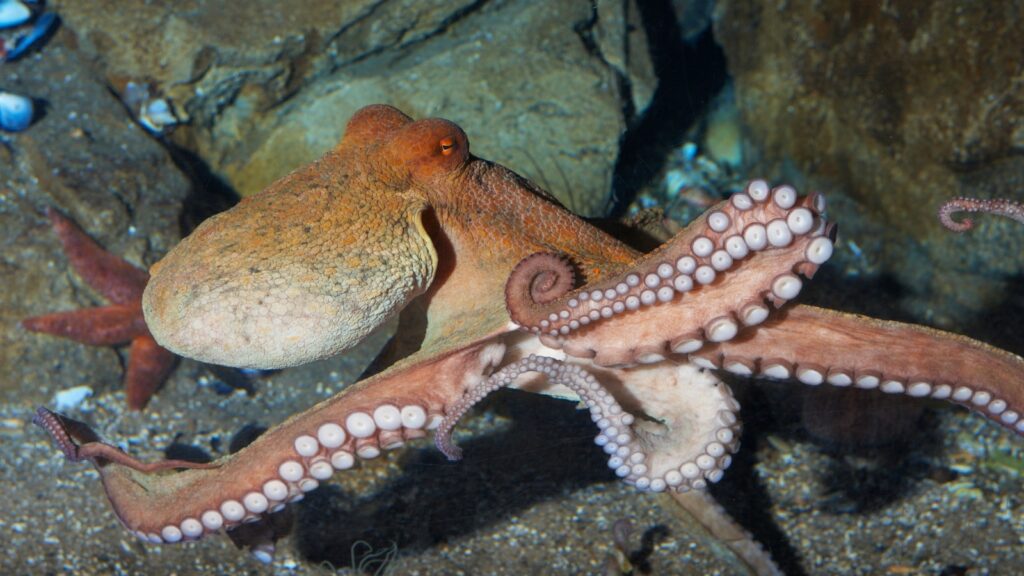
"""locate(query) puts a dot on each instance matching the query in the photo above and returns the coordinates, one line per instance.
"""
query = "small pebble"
(71, 398)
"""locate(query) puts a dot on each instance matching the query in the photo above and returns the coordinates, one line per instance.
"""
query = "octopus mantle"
(497, 285)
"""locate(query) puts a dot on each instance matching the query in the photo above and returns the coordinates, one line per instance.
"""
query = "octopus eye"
(447, 146)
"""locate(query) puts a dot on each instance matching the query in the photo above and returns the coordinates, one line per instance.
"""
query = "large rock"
(268, 85)
(899, 107)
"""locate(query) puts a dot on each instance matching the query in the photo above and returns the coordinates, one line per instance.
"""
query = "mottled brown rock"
(267, 84)
(899, 106)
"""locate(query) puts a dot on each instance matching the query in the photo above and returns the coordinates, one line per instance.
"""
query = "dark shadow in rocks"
(245, 436)
(641, 557)
(210, 193)
(186, 452)
(741, 492)
(225, 379)
(689, 77)
(1001, 325)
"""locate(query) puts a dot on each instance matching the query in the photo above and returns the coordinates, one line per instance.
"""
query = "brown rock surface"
(267, 85)
(900, 106)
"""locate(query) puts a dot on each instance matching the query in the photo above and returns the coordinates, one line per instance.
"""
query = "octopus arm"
(171, 501)
(710, 522)
(713, 279)
(815, 345)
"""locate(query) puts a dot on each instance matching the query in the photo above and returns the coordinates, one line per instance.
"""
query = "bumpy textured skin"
(314, 263)
(401, 219)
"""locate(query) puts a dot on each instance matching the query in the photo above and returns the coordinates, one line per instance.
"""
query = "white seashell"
(71, 398)
(15, 112)
(13, 13)
(674, 180)
(156, 115)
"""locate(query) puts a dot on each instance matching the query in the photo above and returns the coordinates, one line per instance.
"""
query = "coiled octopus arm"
(718, 275)
(610, 418)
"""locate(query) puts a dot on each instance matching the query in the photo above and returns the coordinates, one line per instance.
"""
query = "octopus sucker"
(335, 435)
(660, 311)
(710, 360)
(894, 360)
(686, 343)
(728, 238)
(776, 368)
(839, 377)
(739, 365)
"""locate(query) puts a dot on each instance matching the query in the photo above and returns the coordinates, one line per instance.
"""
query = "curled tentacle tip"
(46, 419)
(997, 206)
(962, 226)
(955, 206)
(537, 279)
(454, 454)
(42, 413)
(443, 441)
(55, 426)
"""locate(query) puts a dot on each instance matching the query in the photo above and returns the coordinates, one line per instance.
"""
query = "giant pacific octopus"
(496, 284)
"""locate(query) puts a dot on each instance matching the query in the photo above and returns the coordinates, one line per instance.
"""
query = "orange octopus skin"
(400, 219)
(121, 322)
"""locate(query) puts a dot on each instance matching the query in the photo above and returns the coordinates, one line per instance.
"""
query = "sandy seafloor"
(532, 495)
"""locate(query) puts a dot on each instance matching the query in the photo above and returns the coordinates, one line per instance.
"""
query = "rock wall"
(900, 106)
(267, 85)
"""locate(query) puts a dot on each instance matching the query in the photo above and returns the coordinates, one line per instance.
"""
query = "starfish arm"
(102, 326)
(123, 284)
(814, 345)
(148, 367)
(112, 276)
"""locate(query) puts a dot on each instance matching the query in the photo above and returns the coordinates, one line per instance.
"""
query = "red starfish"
(122, 284)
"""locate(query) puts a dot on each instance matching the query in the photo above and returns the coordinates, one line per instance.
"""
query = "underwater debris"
(71, 398)
(692, 182)
(707, 167)
(21, 44)
(365, 559)
(154, 114)
(618, 562)
(965, 490)
(16, 112)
